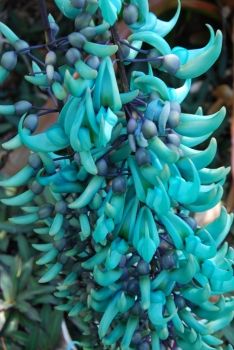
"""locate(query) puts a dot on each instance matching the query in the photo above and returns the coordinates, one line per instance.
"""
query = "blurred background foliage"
(28, 319)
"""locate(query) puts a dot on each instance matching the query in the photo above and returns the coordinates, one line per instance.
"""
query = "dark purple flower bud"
(130, 14)
(60, 244)
(180, 302)
(174, 139)
(119, 185)
(173, 119)
(133, 286)
(132, 125)
(171, 63)
(93, 62)
(189, 220)
(142, 156)
(136, 339)
(50, 58)
(22, 107)
(72, 56)
(61, 207)
(169, 261)
(34, 161)
(102, 167)
(149, 129)
(88, 32)
(143, 268)
(9, 60)
(79, 4)
(31, 122)
(144, 346)
(82, 20)
(36, 187)
(77, 40)
(45, 211)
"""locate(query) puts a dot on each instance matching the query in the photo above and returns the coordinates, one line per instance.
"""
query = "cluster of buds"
(123, 180)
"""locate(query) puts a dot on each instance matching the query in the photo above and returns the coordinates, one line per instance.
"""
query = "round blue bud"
(9, 60)
(171, 63)
(31, 122)
(22, 107)
(130, 14)
(72, 56)
(79, 4)
(77, 40)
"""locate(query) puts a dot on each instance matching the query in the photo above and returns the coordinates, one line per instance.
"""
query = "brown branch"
(45, 21)
(119, 55)
(230, 200)
(3, 344)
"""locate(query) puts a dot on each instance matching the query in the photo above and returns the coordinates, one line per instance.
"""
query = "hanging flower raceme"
(123, 177)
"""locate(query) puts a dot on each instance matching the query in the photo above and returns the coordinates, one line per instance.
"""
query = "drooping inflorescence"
(123, 179)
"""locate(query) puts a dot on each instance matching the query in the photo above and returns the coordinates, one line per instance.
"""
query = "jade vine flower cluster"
(123, 179)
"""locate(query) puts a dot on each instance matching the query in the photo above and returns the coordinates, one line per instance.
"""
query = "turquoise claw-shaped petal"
(76, 87)
(108, 97)
(107, 121)
(48, 257)
(131, 326)
(207, 199)
(51, 273)
(7, 109)
(164, 27)
(19, 179)
(95, 260)
(38, 80)
(52, 140)
(171, 307)
(92, 188)
(220, 227)
(110, 10)
(185, 190)
(186, 55)
(20, 199)
(180, 93)
(100, 50)
(148, 83)
(152, 39)
(114, 335)
(8, 33)
(24, 219)
(67, 9)
(85, 71)
(108, 316)
(200, 61)
(13, 143)
(201, 159)
(192, 125)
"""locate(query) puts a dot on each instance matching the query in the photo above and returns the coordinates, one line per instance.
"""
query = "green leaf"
(6, 286)
(29, 311)
(25, 274)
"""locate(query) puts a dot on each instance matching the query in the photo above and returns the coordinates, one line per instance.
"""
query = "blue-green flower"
(123, 178)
